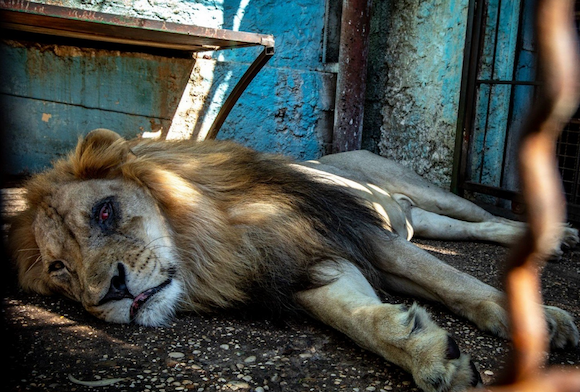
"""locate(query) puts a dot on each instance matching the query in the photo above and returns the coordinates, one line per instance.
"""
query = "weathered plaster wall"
(50, 94)
(413, 80)
(286, 108)
(417, 55)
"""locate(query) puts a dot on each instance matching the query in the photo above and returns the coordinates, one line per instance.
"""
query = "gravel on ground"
(52, 344)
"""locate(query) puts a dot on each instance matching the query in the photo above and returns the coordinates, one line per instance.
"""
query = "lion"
(138, 230)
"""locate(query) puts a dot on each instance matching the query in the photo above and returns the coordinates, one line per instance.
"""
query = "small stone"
(259, 389)
(237, 385)
(176, 355)
(225, 346)
(171, 363)
(250, 359)
(488, 373)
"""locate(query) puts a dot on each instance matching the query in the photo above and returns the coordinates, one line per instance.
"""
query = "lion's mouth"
(140, 299)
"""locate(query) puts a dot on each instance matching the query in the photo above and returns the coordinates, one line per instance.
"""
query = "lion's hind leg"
(427, 224)
(406, 337)
(434, 226)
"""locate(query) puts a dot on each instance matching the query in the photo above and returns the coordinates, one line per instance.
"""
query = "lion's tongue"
(143, 297)
(139, 301)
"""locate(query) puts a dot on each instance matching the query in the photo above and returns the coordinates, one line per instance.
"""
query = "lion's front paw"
(493, 317)
(438, 363)
(490, 316)
(452, 372)
(561, 327)
(570, 238)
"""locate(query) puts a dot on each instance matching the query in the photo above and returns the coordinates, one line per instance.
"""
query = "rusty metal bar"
(240, 87)
(542, 190)
(351, 80)
(541, 183)
(471, 50)
(98, 26)
(493, 191)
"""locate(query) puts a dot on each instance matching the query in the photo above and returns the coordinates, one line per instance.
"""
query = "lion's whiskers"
(28, 249)
(33, 264)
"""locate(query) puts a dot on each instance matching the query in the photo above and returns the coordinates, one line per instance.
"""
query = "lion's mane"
(247, 226)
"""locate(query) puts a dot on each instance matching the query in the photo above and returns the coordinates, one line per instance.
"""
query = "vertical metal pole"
(352, 72)
(473, 43)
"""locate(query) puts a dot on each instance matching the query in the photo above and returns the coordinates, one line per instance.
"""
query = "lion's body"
(138, 230)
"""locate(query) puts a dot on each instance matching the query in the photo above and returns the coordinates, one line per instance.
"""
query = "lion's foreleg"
(411, 270)
(406, 337)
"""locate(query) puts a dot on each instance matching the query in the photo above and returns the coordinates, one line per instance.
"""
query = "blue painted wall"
(54, 94)
(412, 93)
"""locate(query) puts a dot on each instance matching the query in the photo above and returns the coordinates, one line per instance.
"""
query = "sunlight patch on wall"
(240, 15)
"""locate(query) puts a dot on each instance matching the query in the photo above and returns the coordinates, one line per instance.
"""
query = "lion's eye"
(56, 265)
(105, 212)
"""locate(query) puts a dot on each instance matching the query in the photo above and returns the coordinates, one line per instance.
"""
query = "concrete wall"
(51, 94)
(414, 83)
(286, 109)
(412, 94)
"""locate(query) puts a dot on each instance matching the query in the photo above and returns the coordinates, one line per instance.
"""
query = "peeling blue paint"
(280, 111)
(282, 107)
(52, 94)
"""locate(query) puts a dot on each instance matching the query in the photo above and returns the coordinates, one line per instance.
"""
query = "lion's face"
(102, 242)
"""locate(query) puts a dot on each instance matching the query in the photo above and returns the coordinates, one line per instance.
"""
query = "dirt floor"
(52, 344)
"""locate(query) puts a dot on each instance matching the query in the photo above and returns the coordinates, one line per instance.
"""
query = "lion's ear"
(25, 254)
(99, 154)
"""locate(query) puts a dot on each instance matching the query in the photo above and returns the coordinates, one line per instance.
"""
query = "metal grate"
(569, 156)
(569, 162)
(499, 86)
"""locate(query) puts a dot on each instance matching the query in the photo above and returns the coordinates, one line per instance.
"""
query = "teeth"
(143, 297)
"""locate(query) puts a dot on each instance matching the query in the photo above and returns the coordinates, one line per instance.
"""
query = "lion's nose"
(118, 288)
